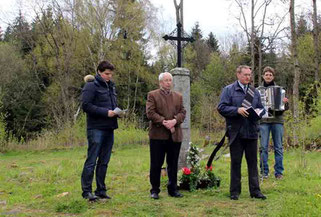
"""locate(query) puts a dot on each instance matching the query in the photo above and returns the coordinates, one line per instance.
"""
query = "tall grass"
(74, 134)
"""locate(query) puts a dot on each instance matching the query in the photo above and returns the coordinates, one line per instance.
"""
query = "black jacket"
(98, 97)
(231, 99)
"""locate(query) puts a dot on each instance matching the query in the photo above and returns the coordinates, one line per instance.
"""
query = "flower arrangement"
(194, 177)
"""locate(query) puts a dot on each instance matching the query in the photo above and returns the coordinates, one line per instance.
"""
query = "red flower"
(209, 168)
(186, 171)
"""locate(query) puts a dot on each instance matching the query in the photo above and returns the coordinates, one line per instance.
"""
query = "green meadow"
(47, 183)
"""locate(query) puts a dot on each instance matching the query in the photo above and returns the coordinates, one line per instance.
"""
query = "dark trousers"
(237, 148)
(158, 149)
(100, 143)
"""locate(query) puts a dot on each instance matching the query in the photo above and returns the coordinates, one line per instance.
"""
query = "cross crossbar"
(179, 39)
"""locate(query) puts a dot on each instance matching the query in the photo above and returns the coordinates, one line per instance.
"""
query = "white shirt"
(244, 86)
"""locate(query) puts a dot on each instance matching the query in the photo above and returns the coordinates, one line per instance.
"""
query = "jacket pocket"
(237, 100)
(103, 95)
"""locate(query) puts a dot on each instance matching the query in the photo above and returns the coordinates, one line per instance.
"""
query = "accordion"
(272, 99)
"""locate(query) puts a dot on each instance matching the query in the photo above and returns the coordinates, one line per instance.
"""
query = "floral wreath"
(193, 177)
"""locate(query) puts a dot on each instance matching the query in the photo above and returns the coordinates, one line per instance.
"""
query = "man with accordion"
(274, 101)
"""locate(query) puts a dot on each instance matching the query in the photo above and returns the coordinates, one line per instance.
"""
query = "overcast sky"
(217, 16)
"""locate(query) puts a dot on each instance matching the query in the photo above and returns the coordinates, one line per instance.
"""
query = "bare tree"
(248, 32)
(295, 61)
(97, 17)
(316, 41)
(257, 32)
(252, 39)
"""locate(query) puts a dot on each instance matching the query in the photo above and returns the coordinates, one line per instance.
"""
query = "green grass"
(31, 182)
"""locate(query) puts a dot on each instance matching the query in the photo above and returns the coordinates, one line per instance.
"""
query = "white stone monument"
(181, 84)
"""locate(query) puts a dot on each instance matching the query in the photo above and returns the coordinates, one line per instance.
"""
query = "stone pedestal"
(181, 84)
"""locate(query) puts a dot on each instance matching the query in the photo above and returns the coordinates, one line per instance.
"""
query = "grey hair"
(161, 75)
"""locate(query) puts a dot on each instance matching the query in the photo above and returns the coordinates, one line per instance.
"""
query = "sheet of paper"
(120, 112)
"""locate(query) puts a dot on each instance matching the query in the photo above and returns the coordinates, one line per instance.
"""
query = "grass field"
(47, 183)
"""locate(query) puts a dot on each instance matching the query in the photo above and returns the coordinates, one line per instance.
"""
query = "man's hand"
(285, 100)
(242, 111)
(111, 113)
(169, 124)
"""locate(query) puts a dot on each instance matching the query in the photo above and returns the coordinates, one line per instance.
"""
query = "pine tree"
(20, 34)
(212, 43)
(197, 32)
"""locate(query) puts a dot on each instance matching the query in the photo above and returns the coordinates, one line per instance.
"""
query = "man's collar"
(242, 85)
(166, 92)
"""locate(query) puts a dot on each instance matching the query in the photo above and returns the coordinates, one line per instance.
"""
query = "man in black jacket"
(99, 101)
(242, 131)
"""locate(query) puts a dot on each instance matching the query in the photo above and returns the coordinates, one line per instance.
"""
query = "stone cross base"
(181, 84)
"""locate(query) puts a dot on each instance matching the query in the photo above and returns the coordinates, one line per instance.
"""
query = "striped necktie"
(247, 102)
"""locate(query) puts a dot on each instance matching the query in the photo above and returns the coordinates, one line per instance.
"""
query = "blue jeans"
(100, 144)
(277, 136)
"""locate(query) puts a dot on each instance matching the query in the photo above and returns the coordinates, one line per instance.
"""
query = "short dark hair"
(103, 65)
(268, 69)
(239, 68)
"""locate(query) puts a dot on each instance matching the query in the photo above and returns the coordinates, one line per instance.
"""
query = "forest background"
(43, 62)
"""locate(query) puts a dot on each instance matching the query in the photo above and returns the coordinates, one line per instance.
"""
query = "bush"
(308, 125)
(312, 131)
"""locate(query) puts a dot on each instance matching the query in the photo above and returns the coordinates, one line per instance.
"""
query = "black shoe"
(234, 197)
(90, 196)
(154, 196)
(175, 194)
(259, 196)
(279, 176)
(102, 195)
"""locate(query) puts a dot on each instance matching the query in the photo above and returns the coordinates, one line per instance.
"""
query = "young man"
(165, 110)
(275, 126)
(99, 101)
(242, 132)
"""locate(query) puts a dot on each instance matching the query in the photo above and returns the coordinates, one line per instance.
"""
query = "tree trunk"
(316, 42)
(261, 40)
(128, 90)
(252, 42)
(259, 71)
(296, 79)
(135, 95)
